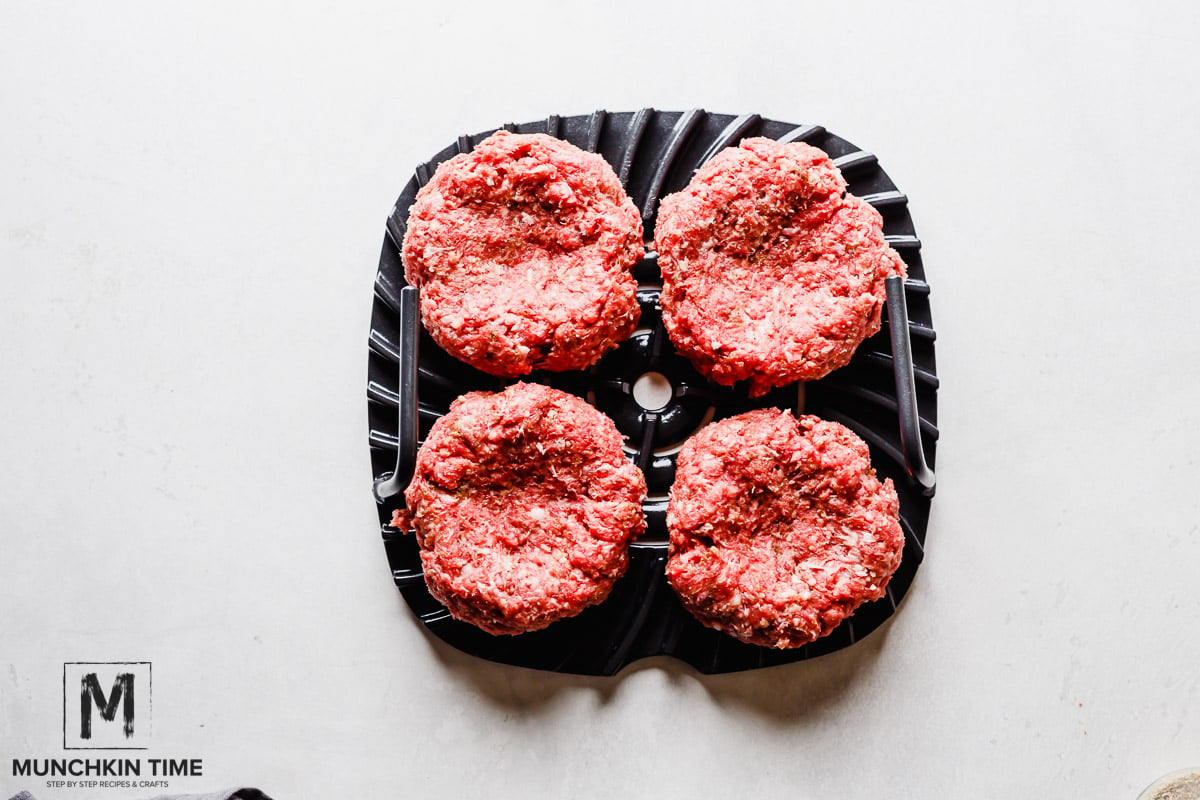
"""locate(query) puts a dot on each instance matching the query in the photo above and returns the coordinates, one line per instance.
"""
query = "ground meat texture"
(522, 249)
(771, 273)
(524, 506)
(779, 527)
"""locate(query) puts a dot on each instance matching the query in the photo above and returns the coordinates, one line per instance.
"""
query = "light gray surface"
(191, 207)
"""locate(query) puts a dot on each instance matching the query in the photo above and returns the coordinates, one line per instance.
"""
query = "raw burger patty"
(522, 249)
(779, 527)
(523, 506)
(770, 272)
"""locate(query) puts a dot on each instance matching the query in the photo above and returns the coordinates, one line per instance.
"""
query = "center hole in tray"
(653, 391)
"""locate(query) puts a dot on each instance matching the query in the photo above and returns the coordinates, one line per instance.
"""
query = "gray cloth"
(228, 794)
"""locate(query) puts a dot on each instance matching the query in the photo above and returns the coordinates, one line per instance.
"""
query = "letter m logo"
(111, 706)
(91, 694)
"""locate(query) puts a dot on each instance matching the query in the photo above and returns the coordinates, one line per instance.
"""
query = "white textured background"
(192, 201)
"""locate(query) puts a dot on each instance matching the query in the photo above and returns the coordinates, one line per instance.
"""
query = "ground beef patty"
(523, 506)
(779, 527)
(522, 249)
(770, 273)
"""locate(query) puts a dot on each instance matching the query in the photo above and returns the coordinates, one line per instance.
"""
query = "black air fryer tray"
(877, 396)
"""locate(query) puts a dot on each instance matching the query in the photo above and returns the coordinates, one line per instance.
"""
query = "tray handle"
(395, 482)
(906, 387)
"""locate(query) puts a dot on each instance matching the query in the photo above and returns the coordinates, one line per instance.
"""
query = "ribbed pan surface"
(655, 154)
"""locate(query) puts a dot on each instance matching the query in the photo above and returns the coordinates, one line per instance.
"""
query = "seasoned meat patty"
(770, 272)
(779, 527)
(522, 249)
(524, 507)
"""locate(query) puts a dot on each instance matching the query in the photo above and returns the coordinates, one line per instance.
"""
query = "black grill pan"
(887, 395)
